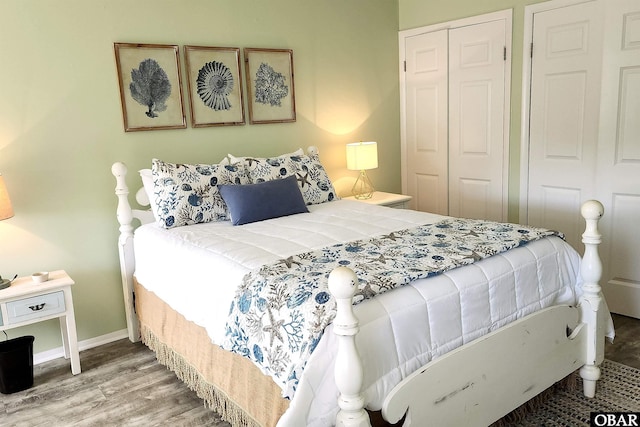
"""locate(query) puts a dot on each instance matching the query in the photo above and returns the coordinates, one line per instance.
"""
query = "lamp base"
(362, 188)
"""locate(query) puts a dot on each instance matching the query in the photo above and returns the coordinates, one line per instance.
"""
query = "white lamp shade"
(362, 155)
(6, 211)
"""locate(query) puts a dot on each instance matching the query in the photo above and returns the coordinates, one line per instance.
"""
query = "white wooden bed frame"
(476, 384)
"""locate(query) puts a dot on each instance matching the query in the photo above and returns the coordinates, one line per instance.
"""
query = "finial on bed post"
(343, 283)
(125, 248)
(591, 301)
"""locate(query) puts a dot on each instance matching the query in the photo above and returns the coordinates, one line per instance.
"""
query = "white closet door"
(565, 100)
(585, 133)
(454, 73)
(618, 160)
(477, 167)
(426, 139)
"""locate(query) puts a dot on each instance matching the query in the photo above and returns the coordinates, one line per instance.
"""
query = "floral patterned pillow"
(188, 194)
(260, 169)
(314, 183)
(230, 159)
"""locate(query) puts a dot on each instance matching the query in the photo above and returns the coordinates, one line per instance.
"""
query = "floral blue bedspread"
(280, 311)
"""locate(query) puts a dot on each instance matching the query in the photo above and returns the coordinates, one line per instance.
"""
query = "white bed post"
(591, 302)
(343, 283)
(125, 248)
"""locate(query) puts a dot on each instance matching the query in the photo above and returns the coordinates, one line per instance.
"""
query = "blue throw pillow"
(264, 200)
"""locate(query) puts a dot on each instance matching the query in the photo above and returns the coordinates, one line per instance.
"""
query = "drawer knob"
(37, 307)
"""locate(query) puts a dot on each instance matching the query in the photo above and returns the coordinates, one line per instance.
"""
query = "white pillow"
(147, 183)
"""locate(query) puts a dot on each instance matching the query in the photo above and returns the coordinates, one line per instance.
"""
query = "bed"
(460, 344)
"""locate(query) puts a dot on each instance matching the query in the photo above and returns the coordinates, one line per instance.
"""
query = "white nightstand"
(398, 201)
(26, 302)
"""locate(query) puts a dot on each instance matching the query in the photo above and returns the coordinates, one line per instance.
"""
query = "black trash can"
(16, 364)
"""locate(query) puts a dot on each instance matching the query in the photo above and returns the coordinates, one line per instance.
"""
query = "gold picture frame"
(215, 86)
(270, 85)
(150, 86)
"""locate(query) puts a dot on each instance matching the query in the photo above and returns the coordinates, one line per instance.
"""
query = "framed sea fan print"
(150, 86)
(215, 90)
(270, 85)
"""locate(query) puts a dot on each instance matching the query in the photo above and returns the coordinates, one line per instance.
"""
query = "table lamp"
(6, 211)
(362, 156)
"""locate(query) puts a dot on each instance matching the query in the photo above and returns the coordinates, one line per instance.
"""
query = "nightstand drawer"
(35, 307)
(399, 205)
(391, 200)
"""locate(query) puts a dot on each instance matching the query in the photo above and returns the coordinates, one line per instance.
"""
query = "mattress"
(196, 270)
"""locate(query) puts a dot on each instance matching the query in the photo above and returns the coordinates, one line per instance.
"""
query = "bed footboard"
(462, 388)
(592, 301)
(482, 381)
(343, 284)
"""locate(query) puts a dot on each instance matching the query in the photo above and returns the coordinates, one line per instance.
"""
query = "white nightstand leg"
(73, 345)
(71, 334)
(65, 336)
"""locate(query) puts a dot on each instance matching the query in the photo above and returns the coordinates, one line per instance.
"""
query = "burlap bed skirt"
(229, 384)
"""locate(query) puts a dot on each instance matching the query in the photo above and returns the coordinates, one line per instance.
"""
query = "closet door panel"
(618, 159)
(564, 114)
(476, 121)
(472, 197)
(428, 187)
(426, 133)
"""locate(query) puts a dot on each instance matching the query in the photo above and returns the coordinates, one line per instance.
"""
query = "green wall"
(61, 121)
(419, 13)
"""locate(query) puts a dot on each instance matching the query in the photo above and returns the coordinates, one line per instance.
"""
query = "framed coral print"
(215, 90)
(150, 86)
(270, 85)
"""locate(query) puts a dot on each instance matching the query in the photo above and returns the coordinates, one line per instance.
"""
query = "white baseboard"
(55, 353)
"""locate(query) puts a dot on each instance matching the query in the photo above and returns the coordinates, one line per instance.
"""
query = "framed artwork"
(150, 86)
(270, 85)
(215, 89)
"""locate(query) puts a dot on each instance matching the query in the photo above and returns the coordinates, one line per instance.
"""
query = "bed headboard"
(125, 217)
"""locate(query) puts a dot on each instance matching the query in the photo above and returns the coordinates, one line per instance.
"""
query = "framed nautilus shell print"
(215, 89)
(150, 86)
(270, 86)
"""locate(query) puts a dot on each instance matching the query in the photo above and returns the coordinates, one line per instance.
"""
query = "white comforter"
(196, 270)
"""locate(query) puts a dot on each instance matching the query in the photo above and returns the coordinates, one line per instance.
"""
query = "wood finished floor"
(121, 384)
